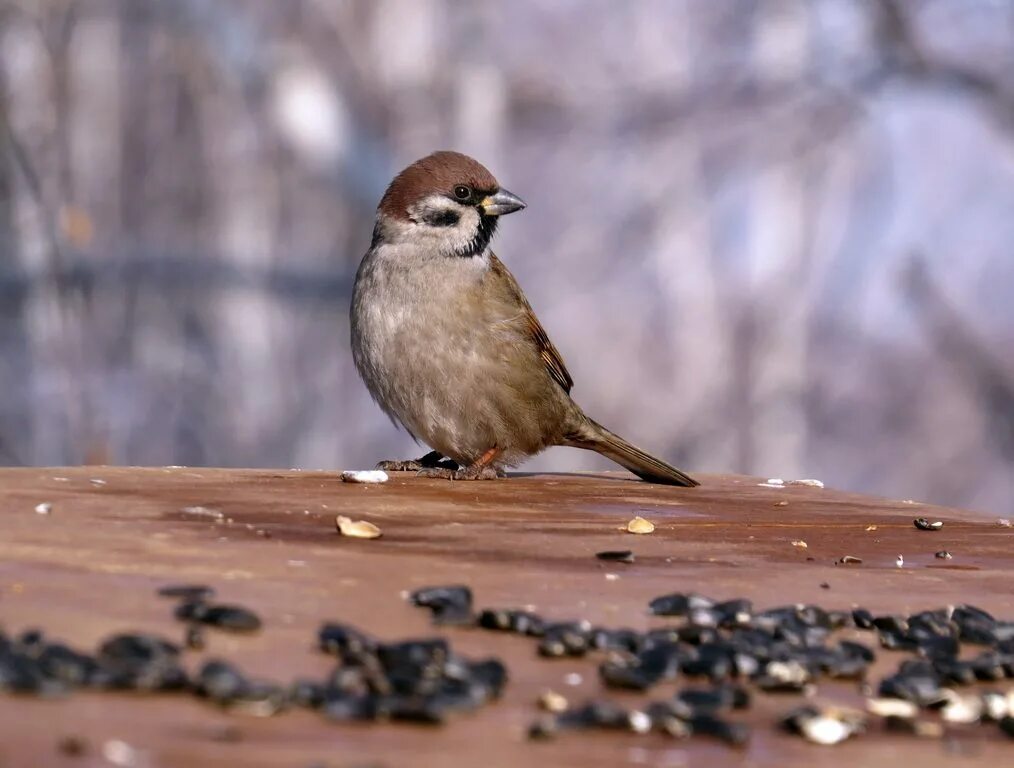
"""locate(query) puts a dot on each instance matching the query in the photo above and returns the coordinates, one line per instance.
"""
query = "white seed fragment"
(44, 508)
(204, 512)
(825, 730)
(900, 562)
(871, 527)
(826, 725)
(612, 577)
(775, 481)
(1003, 522)
(573, 678)
(120, 753)
(640, 525)
(639, 721)
(364, 476)
(97, 481)
(551, 701)
(961, 709)
(357, 529)
(799, 543)
(809, 481)
(892, 708)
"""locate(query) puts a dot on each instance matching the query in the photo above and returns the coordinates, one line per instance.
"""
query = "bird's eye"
(462, 192)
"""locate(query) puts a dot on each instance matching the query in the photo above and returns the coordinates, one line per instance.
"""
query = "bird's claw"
(411, 465)
(472, 472)
(431, 460)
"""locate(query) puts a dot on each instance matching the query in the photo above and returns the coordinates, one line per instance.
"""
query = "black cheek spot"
(442, 218)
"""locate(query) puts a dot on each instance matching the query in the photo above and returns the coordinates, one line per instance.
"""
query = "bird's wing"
(510, 293)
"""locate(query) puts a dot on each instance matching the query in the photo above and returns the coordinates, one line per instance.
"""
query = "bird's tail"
(592, 436)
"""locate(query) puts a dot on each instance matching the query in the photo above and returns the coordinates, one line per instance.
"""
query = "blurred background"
(768, 236)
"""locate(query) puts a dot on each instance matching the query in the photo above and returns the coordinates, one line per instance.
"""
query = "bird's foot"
(482, 469)
(431, 460)
(471, 472)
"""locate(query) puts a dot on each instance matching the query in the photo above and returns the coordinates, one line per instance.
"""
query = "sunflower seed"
(640, 525)
(364, 476)
(618, 556)
(357, 529)
(925, 525)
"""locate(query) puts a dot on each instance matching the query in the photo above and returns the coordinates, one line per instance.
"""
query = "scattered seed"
(44, 508)
(449, 605)
(678, 604)
(827, 725)
(799, 543)
(199, 511)
(640, 525)
(72, 746)
(781, 503)
(551, 701)
(194, 638)
(775, 481)
(120, 753)
(1003, 522)
(900, 562)
(925, 525)
(892, 708)
(573, 679)
(612, 577)
(850, 560)
(186, 591)
(233, 618)
(617, 556)
(961, 709)
(871, 528)
(364, 476)
(358, 529)
(943, 554)
(807, 482)
(924, 729)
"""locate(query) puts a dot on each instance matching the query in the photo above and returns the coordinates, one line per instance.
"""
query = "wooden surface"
(90, 568)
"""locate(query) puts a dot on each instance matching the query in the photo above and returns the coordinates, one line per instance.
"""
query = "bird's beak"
(501, 203)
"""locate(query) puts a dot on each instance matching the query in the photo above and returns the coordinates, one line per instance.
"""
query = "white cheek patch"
(432, 209)
(448, 238)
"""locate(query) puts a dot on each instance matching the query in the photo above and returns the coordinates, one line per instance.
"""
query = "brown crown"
(438, 174)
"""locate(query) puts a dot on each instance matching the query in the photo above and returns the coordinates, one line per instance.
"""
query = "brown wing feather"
(547, 351)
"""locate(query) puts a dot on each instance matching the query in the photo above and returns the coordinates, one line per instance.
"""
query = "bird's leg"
(481, 469)
(431, 460)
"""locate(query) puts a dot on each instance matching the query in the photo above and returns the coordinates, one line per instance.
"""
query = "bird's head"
(447, 203)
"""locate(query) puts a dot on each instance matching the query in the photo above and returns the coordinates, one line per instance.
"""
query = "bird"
(448, 345)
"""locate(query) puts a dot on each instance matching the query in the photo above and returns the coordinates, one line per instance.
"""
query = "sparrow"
(448, 345)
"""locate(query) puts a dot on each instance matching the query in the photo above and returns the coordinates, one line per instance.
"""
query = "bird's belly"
(459, 388)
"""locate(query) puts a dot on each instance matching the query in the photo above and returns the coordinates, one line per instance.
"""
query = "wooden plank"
(90, 568)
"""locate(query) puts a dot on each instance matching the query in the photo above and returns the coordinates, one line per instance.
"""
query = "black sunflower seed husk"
(448, 604)
(616, 556)
(189, 592)
(233, 618)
